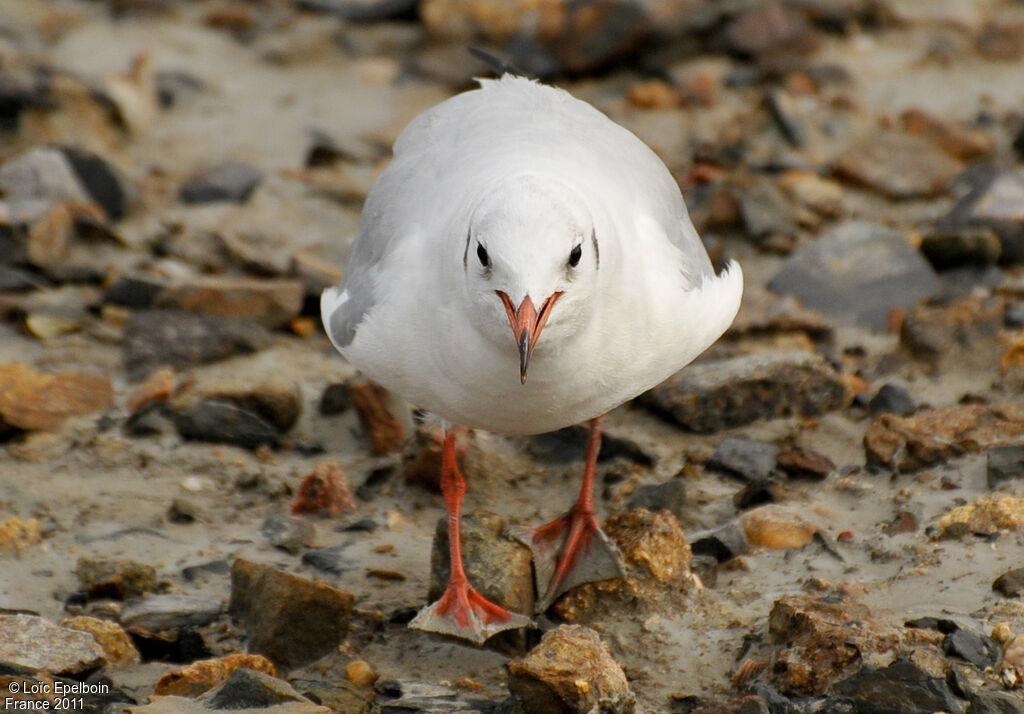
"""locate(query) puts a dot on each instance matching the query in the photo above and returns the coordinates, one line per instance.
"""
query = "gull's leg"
(461, 611)
(572, 550)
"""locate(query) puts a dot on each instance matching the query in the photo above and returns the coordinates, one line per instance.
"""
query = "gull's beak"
(527, 325)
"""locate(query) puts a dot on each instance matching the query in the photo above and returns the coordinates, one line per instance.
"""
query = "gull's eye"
(481, 254)
(574, 256)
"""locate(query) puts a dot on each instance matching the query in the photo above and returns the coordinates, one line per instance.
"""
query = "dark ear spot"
(575, 255)
(481, 254)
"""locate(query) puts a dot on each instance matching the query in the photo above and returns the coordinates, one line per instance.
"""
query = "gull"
(507, 213)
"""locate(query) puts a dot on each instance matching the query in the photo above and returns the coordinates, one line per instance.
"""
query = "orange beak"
(527, 325)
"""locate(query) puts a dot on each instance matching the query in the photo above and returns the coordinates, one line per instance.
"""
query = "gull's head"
(530, 260)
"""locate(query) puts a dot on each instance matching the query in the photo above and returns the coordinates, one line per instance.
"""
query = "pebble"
(335, 399)
(798, 462)
(290, 619)
(767, 30)
(995, 200)
(19, 533)
(747, 459)
(332, 560)
(767, 215)
(232, 181)
(900, 687)
(778, 527)
(289, 533)
(271, 303)
(202, 675)
(668, 496)
(1004, 463)
(857, 272)
(41, 173)
(722, 543)
(932, 436)
(988, 514)
(892, 399)
(962, 144)
(118, 579)
(221, 422)
(977, 649)
(324, 490)
(153, 338)
(1010, 583)
(710, 396)
(570, 671)
(118, 648)
(103, 181)
(968, 245)
(376, 411)
(33, 642)
(182, 511)
(33, 401)
(812, 190)
(360, 673)
(171, 611)
(499, 566)
(261, 390)
(898, 165)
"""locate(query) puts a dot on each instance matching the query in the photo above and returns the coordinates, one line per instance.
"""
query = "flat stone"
(898, 165)
(747, 459)
(902, 687)
(1004, 463)
(570, 671)
(411, 697)
(987, 515)
(232, 181)
(1010, 583)
(172, 611)
(118, 579)
(798, 462)
(290, 619)
(856, 272)
(498, 566)
(222, 422)
(289, 533)
(269, 302)
(376, 411)
(711, 396)
(202, 675)
(325, 490)
(980, 651)
(995, 201)
(332, 560)
(909, 443)
(33, 401)
(179, 339)
(819, 640)
(668, 496)
(892, 399)
(118, 648)
(33, 642)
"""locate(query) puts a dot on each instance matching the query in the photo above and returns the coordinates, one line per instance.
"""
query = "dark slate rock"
(941, 624)
(780, 106)
(892, 399)
(856, 273)
(985, 702)
(755, 493)
(729, 393)
(183, 645)
(1005, 463)
(995, 200)
(181, 339)
(289, 533)
(901, 687)
(171, 611)
(668, 496)
(363, 10)
(335, 399)
(137, 291)
(722, 543)
(232, 181)
(970, 245)
(748, 459)
(191, 573)
(151, 419)
(362, 525)
(980, 651)
(374, 483)
(103, 181)
(248, 689)
(776, 702)
(221, 422)
(182, 511)
(329, 560)
(570, 444)
(1010, 583)
(15, 280)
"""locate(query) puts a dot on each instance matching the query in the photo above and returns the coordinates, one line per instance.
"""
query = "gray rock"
(668, 496)
(996, 201)
(332, 560)
(781, 106)
(766, 212)
(977, 649)
(135, 290)
(33, 642)
(172, 611)
(901, 687)
(249, 689)
(1010, 583)
(232, 181)
(289, 533)
(221, 422)
(987, 702)
(748, 459)
(719, 395)
(425, 698)
(892, 399)
(856, 273)
(41, 173)
(1005, 463)
(290, 619)
(721, 543)
(181, 339)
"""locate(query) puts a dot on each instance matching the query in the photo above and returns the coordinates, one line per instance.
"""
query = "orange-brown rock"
(118, 648)
(202, 675)
(272, 303)
(158, 387)
(325, 490)
(376, 415)
(909, 443)
(36, 401)
(989, 514)
(778, 527)
(19, 533)
(963, 144)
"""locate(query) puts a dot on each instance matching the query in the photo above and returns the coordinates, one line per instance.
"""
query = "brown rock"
(570, 671)
(33, 400)
(118, 579)
(935, 332)
(118, 648)
(290, 619)
(768, 29)
(274, 398)
(770, 314)
(778, 527)
(158, 387)
(324, 490)
(19, 533)
(50, 236)
(965, 145)
(202, 675)
(812, 190)
(909, 443)
(376, 414)
(271, 303)
(1001, 42)
(989, 514)
(499, 567)
(821, 640)
(898, 165)
(657, 559)
(797, 462)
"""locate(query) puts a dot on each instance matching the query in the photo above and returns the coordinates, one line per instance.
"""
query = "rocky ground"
(204, 507)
